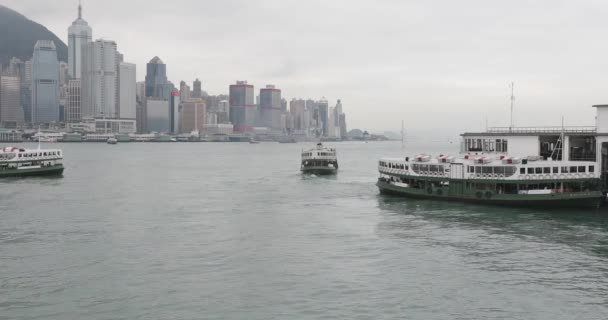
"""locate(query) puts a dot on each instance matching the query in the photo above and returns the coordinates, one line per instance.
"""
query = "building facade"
(197, 91)
(242, 106)
(79, 34)
(192, 115)
(99, 80)
(174, 103)
(270, 107)
(11, 114)
(45, 83)
(157, 85)
(72, 107)
(158, 115)
(127, 92)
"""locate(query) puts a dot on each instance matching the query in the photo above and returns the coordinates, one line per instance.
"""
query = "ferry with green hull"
(514, 166)
(527, 183)
(319, 160)
(19, 162)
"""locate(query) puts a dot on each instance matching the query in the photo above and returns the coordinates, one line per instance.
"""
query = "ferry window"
(538, 170)
(546, 170)
(20, 155)
(591, 169)
(522, 170)
(499, 170)
(530, 170)
(572, 169)
(477, 169)
(509, 171)
(486, 170)
(564, 169)
(555, 170)
(581, 169)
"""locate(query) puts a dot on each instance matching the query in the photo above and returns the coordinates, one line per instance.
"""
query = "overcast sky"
(435, 64)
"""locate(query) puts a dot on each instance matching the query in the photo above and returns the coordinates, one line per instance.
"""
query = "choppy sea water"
(233, 231)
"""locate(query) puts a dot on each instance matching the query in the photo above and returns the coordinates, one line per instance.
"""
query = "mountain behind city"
(18, 35)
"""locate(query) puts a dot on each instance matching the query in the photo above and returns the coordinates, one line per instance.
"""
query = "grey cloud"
(432, 63)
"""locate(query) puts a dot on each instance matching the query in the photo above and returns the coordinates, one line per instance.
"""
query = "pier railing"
(557, 129)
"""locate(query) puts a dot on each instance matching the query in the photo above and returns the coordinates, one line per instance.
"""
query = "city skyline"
(397, 65)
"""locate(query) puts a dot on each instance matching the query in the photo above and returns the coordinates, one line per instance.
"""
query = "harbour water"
(233, 231)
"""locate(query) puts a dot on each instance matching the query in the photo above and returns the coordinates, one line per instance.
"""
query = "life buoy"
(478, 194)
(429, 190)
(501, 175)
(439, 192)
(527, 177)
(488, 194)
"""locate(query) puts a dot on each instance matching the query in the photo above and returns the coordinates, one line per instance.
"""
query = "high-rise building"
(343, 130)
(157, 85)
(127, 100)
(63, 74)
(323, 117)
(158, 117)
(140, 116)
(99, 80)
(223, 111)
(184, 91)
(193, 115)
(174, 111)
(297, 108)
(24, 71)
(72, 106)
(197, 91)
(79, 34)
(242, 107)
(45, 83)
(270, 107)
(11, 114)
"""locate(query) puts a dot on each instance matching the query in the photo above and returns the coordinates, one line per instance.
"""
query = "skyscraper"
(184, 91)
(79, 34)
(157, 85)
(127, 99)
(323, 117)
(242, 107)
(192, 115)
(11, 113)
(72, 106)
(270, 107)
(24, 71)
(197, 91)
(45, 83)
(99, 79)
(174, 103)
(297, 108)
(158, 115)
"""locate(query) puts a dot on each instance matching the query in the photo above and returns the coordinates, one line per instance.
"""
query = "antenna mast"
(402, 136)
(512, 100)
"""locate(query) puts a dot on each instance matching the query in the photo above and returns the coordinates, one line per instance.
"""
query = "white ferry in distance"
(538, 166)
(319, 160)
(19, 162)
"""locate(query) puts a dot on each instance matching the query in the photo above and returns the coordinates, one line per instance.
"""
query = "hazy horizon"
(436, 65)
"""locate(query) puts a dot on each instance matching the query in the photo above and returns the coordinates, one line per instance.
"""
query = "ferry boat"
(543, 166)
(320, 160)
(19, 162)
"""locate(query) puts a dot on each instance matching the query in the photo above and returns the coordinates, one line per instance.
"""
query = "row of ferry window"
(327, 154)
(485, 145)
(307, 154)
(546, 170)
(507, 171)
(40, 154)
(393, 165)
